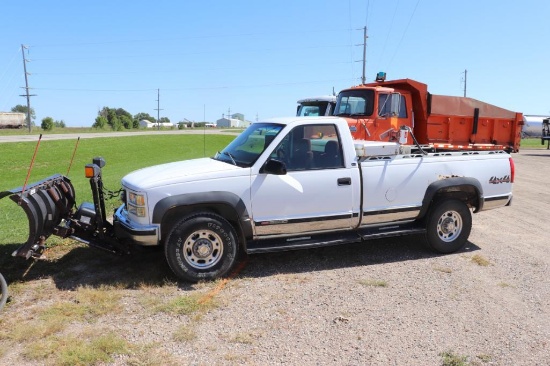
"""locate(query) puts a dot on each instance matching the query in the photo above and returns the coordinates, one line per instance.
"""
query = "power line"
(389, 30)
(403, 36)
(256, 66)
(216, 51)
(178, 39)
(197, 88)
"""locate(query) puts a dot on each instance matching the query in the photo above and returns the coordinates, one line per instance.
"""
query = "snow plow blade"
(46, 204)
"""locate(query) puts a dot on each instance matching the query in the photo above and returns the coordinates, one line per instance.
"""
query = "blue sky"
(259, 57)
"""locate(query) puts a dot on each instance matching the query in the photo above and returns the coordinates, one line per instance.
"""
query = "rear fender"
(45, 203)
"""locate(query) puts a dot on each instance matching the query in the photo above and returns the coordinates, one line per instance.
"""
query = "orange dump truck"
(377, 111)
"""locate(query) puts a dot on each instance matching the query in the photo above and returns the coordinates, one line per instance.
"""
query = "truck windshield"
(312, 109)
(359, 102)
(249, 145)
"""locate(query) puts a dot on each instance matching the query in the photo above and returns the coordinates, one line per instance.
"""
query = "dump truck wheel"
(448, 226)
(201, 247)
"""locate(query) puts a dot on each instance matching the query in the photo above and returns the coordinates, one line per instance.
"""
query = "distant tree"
(116, 124)
(47, 124)
(60, 124)
(117, 118)
(164, 120)
(122, 112)
(127, 121)
(23, 109)
(100, 122)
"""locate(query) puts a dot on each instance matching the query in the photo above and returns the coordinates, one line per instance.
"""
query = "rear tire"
(201, 247)
(448, 226)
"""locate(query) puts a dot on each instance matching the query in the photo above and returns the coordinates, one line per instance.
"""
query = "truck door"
(316, 193)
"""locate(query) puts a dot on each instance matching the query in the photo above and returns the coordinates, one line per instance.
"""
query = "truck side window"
(384, 105)
(388, 103)
(310, 147)
(402, 107)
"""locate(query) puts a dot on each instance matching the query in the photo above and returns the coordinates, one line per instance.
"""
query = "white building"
(148, 124)
(232, 122)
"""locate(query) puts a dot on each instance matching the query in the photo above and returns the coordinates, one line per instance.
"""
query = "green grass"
(122, 154)
(530, 143)
(186, 305)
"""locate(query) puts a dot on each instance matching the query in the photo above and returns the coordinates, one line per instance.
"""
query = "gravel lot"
(384, 302)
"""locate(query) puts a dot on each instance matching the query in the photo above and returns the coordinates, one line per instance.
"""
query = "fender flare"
(449, 185)
(205, 199)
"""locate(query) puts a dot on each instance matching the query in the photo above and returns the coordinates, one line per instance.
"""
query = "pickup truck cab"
(303, 182)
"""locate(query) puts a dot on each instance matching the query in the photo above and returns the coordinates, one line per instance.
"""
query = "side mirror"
(273, 166)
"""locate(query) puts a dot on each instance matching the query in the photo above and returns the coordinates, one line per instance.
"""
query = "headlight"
(136, 204)
(138, 211)
(136, 199)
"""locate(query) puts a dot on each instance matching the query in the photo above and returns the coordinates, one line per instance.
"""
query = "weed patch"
(443, 269)
(373, 283)
(186, 305)
(480, 260)
(184, 334)
(71, 350)
(451, 359)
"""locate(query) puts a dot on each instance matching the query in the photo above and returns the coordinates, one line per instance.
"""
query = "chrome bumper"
(146, 235)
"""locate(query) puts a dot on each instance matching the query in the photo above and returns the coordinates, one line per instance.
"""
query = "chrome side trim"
(496, 202)
(292, 227)
(391, 215)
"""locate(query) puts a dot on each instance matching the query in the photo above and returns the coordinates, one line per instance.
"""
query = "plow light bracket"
(99, 161)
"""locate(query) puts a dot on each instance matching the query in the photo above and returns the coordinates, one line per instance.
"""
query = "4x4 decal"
(495, 180)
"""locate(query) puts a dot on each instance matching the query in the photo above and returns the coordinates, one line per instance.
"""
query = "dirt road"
(90, 135)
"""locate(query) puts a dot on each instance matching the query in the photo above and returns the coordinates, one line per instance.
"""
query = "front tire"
(448, 226)
(201, 247)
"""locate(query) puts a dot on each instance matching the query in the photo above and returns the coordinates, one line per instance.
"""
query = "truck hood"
(179, 172)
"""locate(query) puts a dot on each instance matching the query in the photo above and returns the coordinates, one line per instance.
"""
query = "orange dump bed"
(445, 122)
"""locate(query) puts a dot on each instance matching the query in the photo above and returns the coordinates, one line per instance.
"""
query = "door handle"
(344, 181)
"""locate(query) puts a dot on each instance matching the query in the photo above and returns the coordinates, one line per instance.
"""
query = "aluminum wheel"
(449, 226)
(203, 249)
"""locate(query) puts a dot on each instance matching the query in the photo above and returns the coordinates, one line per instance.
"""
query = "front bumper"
(146, 235)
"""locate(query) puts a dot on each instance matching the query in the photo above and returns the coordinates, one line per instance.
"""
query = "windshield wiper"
(231, 156)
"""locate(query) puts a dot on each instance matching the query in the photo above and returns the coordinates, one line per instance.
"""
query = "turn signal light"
(91, 170)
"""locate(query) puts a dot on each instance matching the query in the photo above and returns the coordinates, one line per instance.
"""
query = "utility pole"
(229, 113)
(465, 80)
(158, 109)
(364, 44)
(23, 47)
(364, 52)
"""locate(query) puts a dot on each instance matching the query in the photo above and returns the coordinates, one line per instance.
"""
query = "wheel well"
(175, 214)
(465, 193)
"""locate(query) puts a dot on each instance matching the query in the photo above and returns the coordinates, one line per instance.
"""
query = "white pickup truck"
(303, 182)
(282, 184)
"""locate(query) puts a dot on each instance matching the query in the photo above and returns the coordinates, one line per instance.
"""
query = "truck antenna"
(72, 158)
(30, 169)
